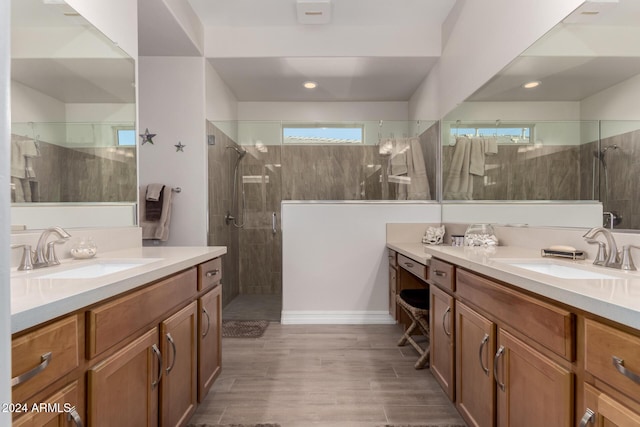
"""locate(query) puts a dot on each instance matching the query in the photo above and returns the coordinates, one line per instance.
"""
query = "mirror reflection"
(560, 122)
(73, 135)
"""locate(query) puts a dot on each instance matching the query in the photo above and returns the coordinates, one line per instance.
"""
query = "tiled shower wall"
(289, 172)
(527, 173)
(100, 174)
(219, 188)
(622, 194)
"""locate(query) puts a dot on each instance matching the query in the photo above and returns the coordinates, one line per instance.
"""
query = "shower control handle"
(274, 222)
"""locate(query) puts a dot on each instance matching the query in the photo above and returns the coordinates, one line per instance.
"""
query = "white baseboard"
(309, 317)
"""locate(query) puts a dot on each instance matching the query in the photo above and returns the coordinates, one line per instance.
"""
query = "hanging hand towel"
(153, 208)
(153, 192)
(157, 230)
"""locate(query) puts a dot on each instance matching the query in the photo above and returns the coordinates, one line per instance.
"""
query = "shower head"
(241, 152)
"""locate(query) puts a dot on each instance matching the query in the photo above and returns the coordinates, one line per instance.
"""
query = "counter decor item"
(84, 248)
(480, 235)
(433, 235)
(457, 239)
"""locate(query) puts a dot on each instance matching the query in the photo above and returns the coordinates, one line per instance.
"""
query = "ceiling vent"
(314, 11)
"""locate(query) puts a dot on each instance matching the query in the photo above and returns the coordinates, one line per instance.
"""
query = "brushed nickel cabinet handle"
(589, 417)
(619, 364)
(156, 351)
(444, 326)
(44, 362)
(213, 272)
(440, 273)
(483, 343)
(499, 354)
(73, 415)
(175, 353)
(206, 313)
(409, 264)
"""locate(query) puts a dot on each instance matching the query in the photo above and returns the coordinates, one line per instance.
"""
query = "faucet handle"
(26, 262)
(52, 258)
(601, 256)
(627, 260)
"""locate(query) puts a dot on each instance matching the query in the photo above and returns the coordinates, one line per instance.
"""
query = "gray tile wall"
(99, 174)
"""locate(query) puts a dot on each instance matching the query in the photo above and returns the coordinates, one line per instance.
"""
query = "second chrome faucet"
(608, 254)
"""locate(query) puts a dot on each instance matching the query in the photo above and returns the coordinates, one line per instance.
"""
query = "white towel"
(153, 192)
(459, 183)
(156, 230)
(490, 146)
(419, 188)
(476, 159)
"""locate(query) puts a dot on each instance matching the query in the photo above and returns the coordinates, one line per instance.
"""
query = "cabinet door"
(393, 274)
(532, 389)
(123, 389)
(209, 340)
(475, 346)
(178, 390)
(441, 357)
(61, 410)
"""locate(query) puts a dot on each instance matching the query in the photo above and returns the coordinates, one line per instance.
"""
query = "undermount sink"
(561, 271)
(97, 268)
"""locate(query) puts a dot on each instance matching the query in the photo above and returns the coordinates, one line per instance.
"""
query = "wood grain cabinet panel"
(532, 390)
(123, 389)
(178, 389)
(414, 267)
(442, 274)
(209, 274)
(549, 325)
(62, 410)
(112, 322)
(613, 357)
(475, 347)
(209, 339)
(47, 353)
(442, 340)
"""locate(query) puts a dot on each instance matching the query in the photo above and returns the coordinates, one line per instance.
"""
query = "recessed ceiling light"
(531, 85)
(310, 85)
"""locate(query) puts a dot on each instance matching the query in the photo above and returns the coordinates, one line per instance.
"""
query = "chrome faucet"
(45, 254)
(608, 255)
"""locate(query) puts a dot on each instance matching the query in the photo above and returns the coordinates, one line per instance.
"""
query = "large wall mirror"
(73, 133)
(560, 123)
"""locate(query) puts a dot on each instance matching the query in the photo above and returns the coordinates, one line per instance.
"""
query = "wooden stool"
(415, 302)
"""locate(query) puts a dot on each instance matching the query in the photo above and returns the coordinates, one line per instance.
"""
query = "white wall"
(323, 111)
(336, 265)
(117, 19)
(5, 202)
(486, 37)
(172, 105)
(221, 102)
(619, 102)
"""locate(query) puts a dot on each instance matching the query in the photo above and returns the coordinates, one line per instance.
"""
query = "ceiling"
(371, 70)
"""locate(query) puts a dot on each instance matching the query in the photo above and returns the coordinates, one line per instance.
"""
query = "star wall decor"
(179, 146)
(147, 137)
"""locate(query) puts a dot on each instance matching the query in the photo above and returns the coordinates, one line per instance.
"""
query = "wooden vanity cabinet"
(612, 360)
(475, 348)
(442, 339)
(209, 339)
(62, 409)
(179, 387)
(123, 389)
(393, 280)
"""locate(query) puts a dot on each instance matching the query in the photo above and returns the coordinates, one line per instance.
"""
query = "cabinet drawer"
(43, 356)
(110, 323)
(442, 274)
(544, 323)
(613, 356)
(412, 266)
(209, 273)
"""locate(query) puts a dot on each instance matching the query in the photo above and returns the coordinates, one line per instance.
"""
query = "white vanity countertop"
(35, 300)
(615, 299)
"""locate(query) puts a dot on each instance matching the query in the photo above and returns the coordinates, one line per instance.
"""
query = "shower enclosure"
(254, 166)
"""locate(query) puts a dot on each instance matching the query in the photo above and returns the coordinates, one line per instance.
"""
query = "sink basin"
(561, 271)
(97, 269)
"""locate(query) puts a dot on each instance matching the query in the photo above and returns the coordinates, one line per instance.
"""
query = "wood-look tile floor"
(324, 375)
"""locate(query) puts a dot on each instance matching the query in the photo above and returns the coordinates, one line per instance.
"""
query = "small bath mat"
(244, 328)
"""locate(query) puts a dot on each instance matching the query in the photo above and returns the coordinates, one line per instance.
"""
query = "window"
(505, 133)
(125, 137)
(323, 134)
